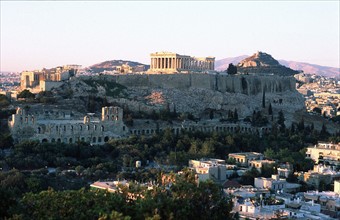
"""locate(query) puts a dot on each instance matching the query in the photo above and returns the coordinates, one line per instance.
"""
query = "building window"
(94, 140)
(102, 128)
(70, 140)
(95, 127)
(64, 127)
(80, 127)
(99, 139)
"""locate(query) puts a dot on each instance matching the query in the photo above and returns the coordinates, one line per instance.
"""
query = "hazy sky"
(47, 34)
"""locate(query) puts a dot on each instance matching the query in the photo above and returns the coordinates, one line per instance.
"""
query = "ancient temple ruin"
(167, 62)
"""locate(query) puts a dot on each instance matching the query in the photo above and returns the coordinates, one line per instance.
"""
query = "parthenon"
(167, 62)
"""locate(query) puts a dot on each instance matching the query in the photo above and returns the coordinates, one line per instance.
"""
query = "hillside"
(221, 65)
(261, 62)
(312, 68)
(308, 68)
(112, 64)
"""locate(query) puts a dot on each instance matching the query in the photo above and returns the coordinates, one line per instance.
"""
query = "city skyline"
(47, 34)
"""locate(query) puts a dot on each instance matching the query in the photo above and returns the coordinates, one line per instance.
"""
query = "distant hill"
(261, 62)
(312, 68)
(112, 64)
(221, 65)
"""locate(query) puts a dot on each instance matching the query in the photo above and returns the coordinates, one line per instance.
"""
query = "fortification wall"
(245, 84)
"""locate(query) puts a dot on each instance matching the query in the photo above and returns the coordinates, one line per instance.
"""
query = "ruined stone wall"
(25, 125)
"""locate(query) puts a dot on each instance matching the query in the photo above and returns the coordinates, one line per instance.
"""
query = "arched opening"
(53, 140)
(70, 141)
(106, 139)
(94, 140)
(82, 139)
(59, 140)
(44, 140)
(39, 130)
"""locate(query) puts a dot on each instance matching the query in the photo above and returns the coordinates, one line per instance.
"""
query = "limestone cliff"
(193, 93)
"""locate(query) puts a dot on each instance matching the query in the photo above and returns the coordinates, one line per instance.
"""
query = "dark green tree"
(264, 98)
(235, 115)
(270, 109)
(26, 94)
(232, 70)
(281, 120)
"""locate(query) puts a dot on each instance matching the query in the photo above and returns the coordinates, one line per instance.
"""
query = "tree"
(281, 121)
(270, 109)
(232, 70)
(235, 115)
(4, 101)
(264, 98)
(317, 110)
(26, 94)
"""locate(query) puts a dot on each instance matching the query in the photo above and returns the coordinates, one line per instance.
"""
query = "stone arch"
(44, 140)
(106, 139)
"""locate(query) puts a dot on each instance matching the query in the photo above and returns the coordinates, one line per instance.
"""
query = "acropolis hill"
(194, 93)
(187, 84)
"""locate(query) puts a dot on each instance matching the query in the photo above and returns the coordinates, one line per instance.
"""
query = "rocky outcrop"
(265, 64)
(194, 93)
